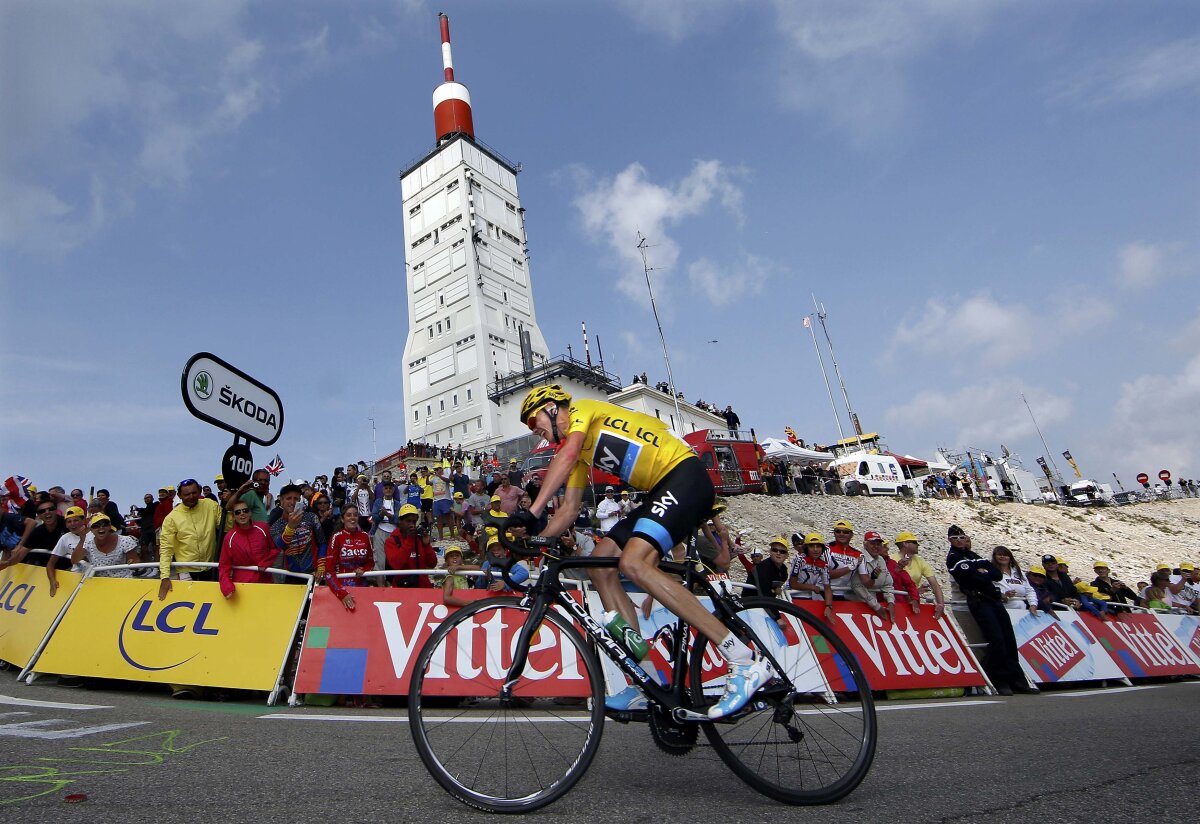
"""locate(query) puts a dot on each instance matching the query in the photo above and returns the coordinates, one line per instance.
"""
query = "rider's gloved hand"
(525, 518)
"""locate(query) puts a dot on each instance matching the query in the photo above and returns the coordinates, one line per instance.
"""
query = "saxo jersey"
(636, 448)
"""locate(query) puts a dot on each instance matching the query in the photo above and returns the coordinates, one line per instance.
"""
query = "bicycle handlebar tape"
(451, 100)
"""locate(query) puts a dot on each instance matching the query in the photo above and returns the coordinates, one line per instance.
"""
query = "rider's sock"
(734, 651)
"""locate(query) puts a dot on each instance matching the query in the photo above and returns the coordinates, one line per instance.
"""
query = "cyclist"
(644, 454)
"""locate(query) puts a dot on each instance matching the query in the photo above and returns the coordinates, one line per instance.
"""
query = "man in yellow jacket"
(189, 534)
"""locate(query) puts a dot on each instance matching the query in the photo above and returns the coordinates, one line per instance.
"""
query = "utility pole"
(642, 247)
(825, 376)
(821, 315)
(374, 447)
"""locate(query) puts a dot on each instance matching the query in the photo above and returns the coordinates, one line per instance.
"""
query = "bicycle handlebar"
(527, 547)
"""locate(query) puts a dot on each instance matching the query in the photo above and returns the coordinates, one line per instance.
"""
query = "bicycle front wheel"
(808, 735)
(517, 753)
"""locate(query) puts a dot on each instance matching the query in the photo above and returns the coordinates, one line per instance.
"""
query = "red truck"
(731, 458)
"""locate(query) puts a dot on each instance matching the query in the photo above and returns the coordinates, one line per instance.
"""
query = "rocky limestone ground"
(1134, 538)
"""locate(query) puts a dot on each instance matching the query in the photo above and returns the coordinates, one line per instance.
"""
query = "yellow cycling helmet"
(539, 397)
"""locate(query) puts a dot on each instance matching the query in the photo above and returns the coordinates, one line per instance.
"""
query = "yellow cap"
(220, 477)
(406, 510)
(1059, 561)
(844, 525)
(814, 538)
(496, 499)
(1101, 563)
(1161, 567)
(906, 536)
(98, 518)
(1187, 565)
(74, 512)
(1037, 570)
(778, 539)
(458, 495)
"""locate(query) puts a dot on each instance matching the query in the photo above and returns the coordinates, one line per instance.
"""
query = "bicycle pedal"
(681, 714)
(627, 716)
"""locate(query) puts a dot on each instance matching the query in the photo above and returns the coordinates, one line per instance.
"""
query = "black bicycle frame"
(549, 589)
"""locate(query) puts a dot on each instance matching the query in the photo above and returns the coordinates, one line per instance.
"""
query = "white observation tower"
(470, 303)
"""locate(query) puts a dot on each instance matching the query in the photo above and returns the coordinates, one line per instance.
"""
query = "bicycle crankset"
(672, 737)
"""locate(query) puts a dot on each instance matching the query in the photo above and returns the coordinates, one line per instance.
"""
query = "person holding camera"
(409, 547)
(871, 576)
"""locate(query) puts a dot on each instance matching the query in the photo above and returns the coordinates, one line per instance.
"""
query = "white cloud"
(723, 284)
(843, 60)
(101, 100)
(982, 414)
(1141, 264)
(984, 329)
(616, 209)
(1154, 421)
(1144, 74)
(678, 19)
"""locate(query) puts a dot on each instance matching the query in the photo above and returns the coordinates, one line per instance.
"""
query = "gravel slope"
(1133, 538)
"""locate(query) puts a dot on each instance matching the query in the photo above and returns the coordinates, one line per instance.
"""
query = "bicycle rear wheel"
(514, 754)
(806, 738)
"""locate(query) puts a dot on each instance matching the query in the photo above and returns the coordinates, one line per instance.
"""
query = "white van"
(1091, 493)
(864, 473)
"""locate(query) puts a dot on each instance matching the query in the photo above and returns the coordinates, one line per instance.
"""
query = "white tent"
(788, 451)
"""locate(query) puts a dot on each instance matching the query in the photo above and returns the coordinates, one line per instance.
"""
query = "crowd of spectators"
(355, 524)
(808, 567)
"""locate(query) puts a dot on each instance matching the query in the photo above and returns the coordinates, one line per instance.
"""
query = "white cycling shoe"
(741, 683)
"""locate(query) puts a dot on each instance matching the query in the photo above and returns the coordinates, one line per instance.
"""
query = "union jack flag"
(18, 488)
(275, 466)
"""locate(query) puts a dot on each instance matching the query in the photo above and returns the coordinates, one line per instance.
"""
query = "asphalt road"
(1081, 755)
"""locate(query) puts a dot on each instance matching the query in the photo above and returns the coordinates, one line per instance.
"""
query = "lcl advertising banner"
(915, 652)
(1060, 647)
(117, 628)
(1142, 646)
(1186, 629)
(27, 609)
(371, 651)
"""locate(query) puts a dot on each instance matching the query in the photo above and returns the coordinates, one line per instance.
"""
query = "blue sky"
(989, 197)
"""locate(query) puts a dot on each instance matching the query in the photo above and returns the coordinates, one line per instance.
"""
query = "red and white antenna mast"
(451, 100)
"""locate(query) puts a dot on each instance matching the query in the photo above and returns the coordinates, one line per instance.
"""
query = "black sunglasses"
(240, 511)
(44, 511)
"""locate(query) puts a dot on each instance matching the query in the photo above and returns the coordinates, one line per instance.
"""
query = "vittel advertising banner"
(117, 628)
(27, 609)
(371, 651)
(1060, 647)
(915, 652)
(1142, 646)
(1186, 629)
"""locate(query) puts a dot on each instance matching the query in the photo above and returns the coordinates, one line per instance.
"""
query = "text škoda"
(247, 407)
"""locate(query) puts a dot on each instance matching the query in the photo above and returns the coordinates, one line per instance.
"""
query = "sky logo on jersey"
(615, 455)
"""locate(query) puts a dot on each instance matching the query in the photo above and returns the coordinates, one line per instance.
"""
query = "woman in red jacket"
(349, 551)
(247, 544)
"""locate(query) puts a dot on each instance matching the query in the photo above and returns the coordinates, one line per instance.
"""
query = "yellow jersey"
(636, 448)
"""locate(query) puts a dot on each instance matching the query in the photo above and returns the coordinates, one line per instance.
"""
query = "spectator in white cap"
(608, 511)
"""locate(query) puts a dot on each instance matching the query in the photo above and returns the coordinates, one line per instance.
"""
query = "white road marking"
(933, 705)
(50, 705)
(567, 719)
(448, 719)
(1112, 691)
(37, 729)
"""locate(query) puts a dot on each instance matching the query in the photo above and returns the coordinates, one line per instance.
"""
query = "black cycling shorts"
(672, 511)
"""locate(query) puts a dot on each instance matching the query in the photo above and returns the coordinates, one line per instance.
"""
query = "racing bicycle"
(507, 698)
